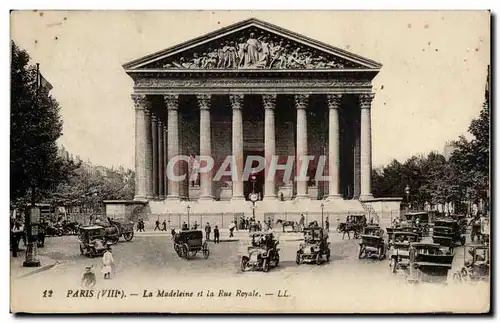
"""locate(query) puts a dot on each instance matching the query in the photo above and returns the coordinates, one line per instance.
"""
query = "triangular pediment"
(252, 45)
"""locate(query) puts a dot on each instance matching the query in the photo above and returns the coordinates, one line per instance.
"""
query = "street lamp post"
(188, 208)
(407, 192)
(322, 222)
(253, 196)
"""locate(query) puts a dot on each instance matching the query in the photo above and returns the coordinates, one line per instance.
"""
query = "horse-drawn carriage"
(262, 253)
(315, 247)
(448, 232)
(372, 243)
(476, 264)
(92, 240)
(355, 223)
(400, 245)
(429, 263)
(116, 228)
(188, 243)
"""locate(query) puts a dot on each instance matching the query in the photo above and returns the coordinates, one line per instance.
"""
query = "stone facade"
(270, 98)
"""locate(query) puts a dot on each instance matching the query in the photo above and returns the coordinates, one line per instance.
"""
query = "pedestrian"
(236, 225)
(143, 226)
(327, 225)
(195, 225)
(90, 219)
(231, 229)
(157, 225)
(14, 240)
(184, 226)
(302, 221)
(172, 232)
(259, 226)
(216, 234)
(107, 262)
(269, 222)
(139, 225)
(208, 229)
(164, 225)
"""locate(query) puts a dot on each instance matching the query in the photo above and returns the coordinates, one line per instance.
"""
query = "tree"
(35, 167)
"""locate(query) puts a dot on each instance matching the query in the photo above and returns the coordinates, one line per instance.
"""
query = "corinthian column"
(333, 145)
(154, 136)
(269, 144)
(165, 161)
(365, 101)
(205, 146)
(301, 105)
(172, 103)
(237, 135)
(141, 108)
(161, 174)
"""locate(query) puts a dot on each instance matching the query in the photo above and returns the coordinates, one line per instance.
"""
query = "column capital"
(204, 101)
(236, 100)
(334, 100)
(154, 118)
(269, 101)
(171, 101)
(365, 100)
(160, 123)
(141, 101)
(301, 101)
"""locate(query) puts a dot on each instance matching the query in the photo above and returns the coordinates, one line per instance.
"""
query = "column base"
(365, 197)
(206, 198)
(141, 198)
(162, 197)
(334, 197)
(238, 198)
(150, 197)
(173, 198)
(302, 197)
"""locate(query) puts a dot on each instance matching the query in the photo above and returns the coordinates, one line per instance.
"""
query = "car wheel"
(206, 252)
(328, 255)
(361, 251)
(318, 259)
(244, 262)
(128, 236)
(265, 265)
(297, 259)
(277, 259)
(185, 252)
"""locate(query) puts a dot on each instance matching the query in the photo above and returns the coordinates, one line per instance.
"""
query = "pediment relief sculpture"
(254, 49)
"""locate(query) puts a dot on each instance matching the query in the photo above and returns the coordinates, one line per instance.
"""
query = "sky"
(430, 87)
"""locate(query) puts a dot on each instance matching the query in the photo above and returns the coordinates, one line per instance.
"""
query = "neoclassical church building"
(253, 89)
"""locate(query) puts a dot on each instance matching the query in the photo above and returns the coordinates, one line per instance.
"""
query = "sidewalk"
(17, 270)
(224, 235)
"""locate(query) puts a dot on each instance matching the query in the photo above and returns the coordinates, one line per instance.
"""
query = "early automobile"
(315, 247)
(355, 223)
(419, 220)
(373, 243)
(92, 240)
(262, 254)
(116, 228)
(429, 263)
(188, 243)
(400, 255)
(448, 233)
(476, 264)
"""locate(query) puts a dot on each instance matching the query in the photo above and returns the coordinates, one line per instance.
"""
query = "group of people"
(16, 234)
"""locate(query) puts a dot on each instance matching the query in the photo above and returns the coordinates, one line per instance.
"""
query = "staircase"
(370, 212)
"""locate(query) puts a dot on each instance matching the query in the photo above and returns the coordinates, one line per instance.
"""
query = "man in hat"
(107, 262)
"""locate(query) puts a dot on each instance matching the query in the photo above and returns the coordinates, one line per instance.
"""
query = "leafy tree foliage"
(35, 167)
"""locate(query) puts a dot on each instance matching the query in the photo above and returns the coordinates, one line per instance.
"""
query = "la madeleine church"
(253, 89)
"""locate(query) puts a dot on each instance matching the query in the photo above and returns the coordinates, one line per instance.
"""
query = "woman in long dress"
(107, 262)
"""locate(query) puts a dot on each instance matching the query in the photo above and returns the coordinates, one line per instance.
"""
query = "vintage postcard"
(250, 162)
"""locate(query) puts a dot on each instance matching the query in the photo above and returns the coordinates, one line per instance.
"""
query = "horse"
(285, 223)
(347, 228)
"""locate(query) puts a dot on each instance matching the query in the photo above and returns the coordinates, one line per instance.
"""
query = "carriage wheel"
(244, 262)
(356, 234)
(178, 250)
(128, 236)
(277, 259)
(206, 252)
(361, 250)
(297, 259)
(185, 252)
(318, 259)
(265, 265)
